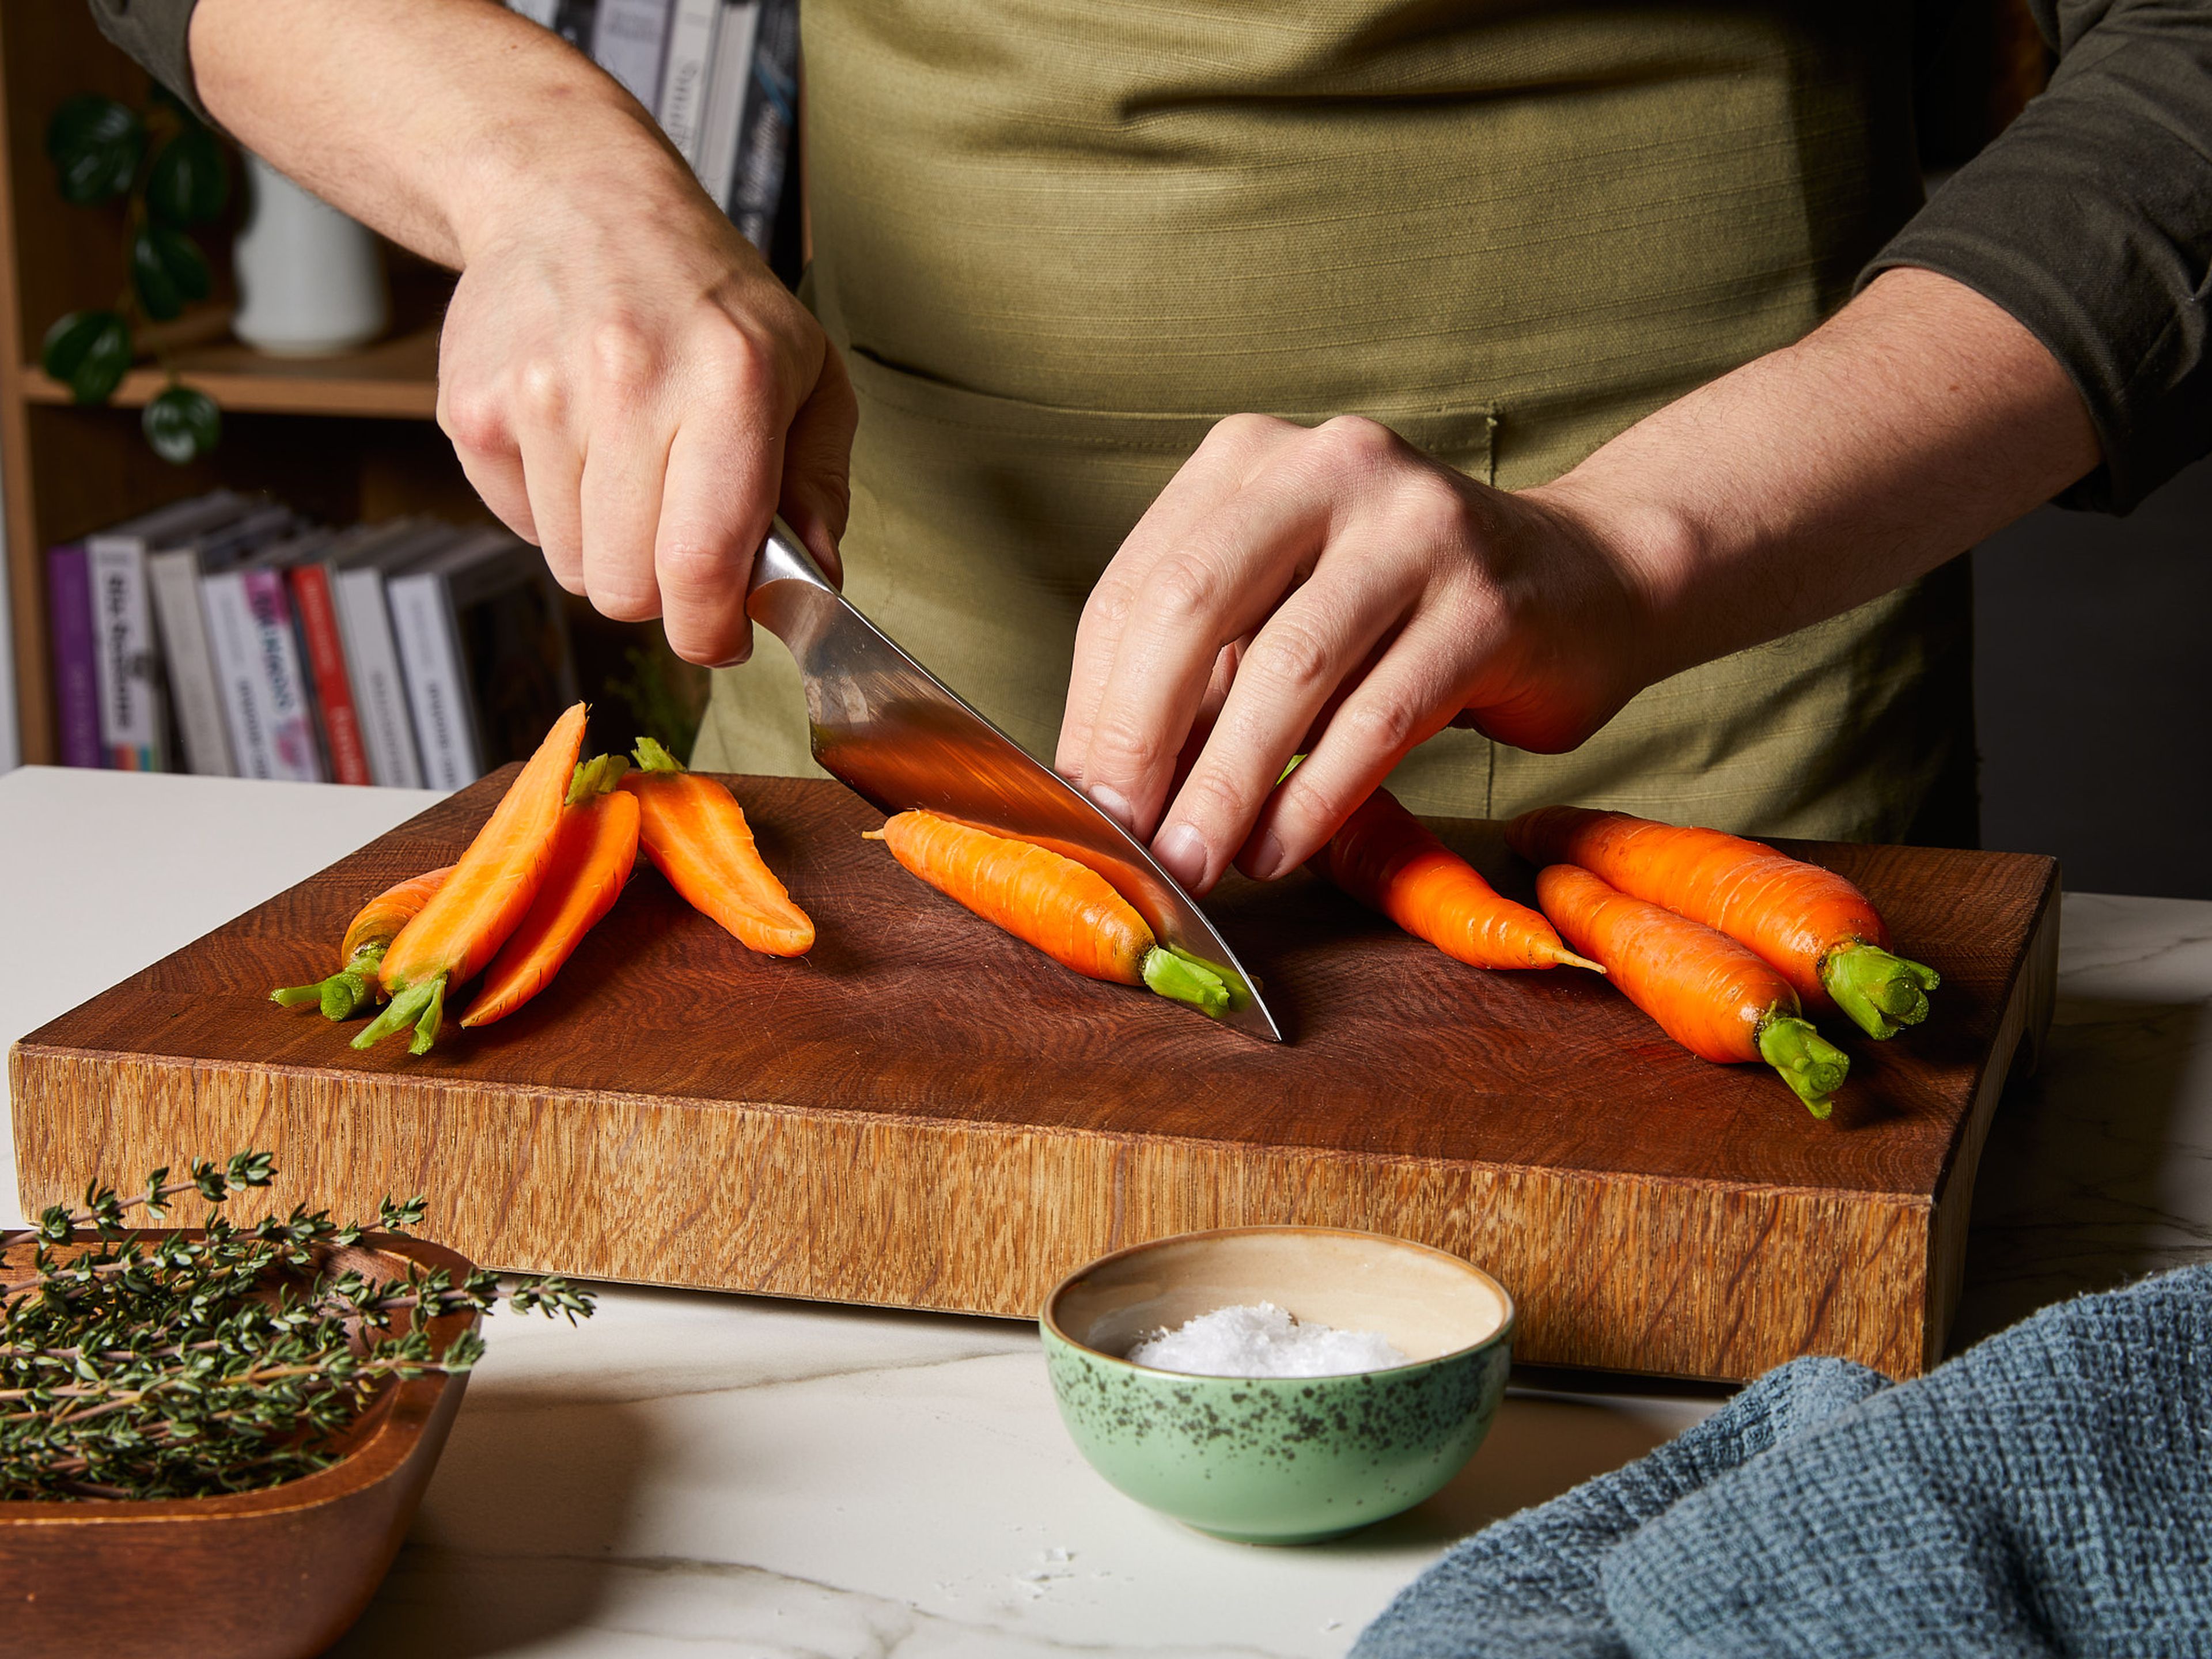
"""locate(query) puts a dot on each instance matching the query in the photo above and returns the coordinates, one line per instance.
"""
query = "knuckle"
(689, 566)
(1210, 799)
(624, 361)
(1109, 602)
(1292, 656)
(541, 388)
(1127, 746)
(1241, 433)
(1356, 440)
(737, 369)
(1184, 587)
(1378, 725)
(473, 420)
(1430, 510)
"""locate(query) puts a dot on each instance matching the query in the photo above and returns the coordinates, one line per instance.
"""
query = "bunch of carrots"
(551, 860)
(1725, 943)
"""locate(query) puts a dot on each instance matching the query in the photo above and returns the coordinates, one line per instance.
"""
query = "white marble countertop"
(726, 1475)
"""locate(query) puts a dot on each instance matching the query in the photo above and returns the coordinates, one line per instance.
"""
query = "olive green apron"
(1057, 239)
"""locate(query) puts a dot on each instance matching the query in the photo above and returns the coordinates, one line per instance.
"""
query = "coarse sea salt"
(1263, 1340)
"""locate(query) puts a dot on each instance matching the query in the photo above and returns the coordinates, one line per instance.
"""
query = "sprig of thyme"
(166, 1365)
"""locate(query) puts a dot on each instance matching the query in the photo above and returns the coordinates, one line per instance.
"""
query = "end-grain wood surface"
(924, 1112)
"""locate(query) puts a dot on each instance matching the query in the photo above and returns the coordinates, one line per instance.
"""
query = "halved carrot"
(488, 893)
(1708, 993)
(374, 927)
(594, 850)
(1390, 862)
(696, 834)
(1066, 909)
(1810, 924)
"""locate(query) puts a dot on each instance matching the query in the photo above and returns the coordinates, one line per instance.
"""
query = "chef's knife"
(886, 726)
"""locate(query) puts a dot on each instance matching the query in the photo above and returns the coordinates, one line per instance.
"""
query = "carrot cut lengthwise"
(490, 891)
(1067, 910)
(374, 926)
(1818, 930)
(1707, 992)
(694, 831)
(594, 848)
(1390, 862)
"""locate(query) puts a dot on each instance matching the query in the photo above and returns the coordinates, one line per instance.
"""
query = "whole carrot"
(696, 834)
(374, 927)
(490, 891)
(1707, 992)
(1810, 924)
(594, 850)
(1389, 860)
(1066, 909)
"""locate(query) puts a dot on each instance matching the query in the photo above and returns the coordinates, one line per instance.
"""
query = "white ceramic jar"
(310, 280)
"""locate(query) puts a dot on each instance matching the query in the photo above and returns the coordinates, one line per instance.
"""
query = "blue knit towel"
(2049, 1491)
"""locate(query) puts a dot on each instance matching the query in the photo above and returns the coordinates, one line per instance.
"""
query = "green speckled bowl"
(1281, 1460)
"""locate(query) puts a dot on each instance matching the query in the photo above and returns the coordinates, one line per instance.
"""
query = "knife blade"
(900, 739)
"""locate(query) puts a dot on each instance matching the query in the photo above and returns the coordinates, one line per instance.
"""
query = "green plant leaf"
(182, 424)
(89, 351)
(95, 145)
(167, 269)
(190, 180)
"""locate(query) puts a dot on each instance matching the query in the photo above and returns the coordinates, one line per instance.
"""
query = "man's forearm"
(1917, 421)
(428, 119)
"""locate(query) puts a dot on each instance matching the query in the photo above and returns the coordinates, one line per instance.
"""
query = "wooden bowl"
(275, 1574)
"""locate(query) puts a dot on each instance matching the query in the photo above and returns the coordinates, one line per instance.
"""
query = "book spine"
(231, 644)
(771, 116)
(291, 721)
(123, 636)
(318, 627)
(683, 76)
(724, 117)
(193, 691)
(422, 622)
(76, 680)
(379, 689)
(629, 37)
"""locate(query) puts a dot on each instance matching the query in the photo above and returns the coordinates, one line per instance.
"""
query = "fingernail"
(1182, 852)
(1113, 804)
(1267, 860)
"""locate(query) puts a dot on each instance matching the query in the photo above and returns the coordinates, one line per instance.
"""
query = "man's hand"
(629, 387)
(625, 382)
(1330, 590)
(1336, 592)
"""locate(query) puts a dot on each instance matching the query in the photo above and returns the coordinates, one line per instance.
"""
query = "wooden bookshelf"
(367, 447)
(396, 378)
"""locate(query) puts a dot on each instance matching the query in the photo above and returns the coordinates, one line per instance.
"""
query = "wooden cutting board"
(925, 1113)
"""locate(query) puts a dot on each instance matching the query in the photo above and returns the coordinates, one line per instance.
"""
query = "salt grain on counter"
(1263, 1341)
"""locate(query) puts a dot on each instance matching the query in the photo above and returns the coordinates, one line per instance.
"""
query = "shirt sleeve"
(155, 32)
(2090, 219)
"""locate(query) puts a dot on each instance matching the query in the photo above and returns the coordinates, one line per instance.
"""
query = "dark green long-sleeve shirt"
(2089, 219)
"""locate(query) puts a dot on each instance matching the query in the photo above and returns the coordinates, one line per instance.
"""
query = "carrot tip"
(340, 995)
(1181, 977)
(872, 834)
(1882, 992)
(1811, 1065)
(426, 1029)
(403, 1010)
(651, 757)
(1568, 959)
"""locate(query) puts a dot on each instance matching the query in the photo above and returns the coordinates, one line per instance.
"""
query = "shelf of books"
(224, 636)
(318, 598)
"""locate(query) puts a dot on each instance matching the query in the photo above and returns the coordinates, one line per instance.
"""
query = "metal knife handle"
(782, 559)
